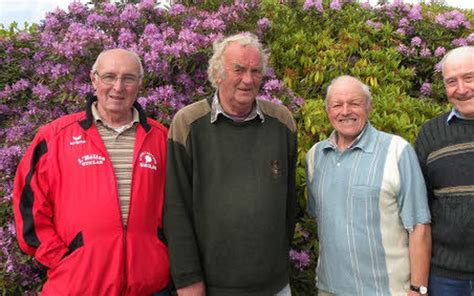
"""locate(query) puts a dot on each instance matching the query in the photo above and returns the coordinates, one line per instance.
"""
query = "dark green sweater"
(230, 200)
(446, 154)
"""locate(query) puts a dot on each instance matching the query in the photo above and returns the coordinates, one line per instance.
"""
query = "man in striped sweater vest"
(445, 148)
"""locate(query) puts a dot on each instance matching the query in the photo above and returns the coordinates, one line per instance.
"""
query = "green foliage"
(397, 113)
(305, 241)
(13, 29)
(308, 49)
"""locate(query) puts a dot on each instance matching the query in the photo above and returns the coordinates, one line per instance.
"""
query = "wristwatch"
(422, 290)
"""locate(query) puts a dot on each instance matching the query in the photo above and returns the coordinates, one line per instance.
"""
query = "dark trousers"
(442, 286)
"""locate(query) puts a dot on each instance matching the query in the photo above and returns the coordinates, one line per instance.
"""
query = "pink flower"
(415, 13)
(416, 41)
(401, 31)
(41, 91)
(425, 52)
(470, 38)
(300, 259)
(318, 4)
(459, 42)
(263, 23)
(375, 25)
(440, 51)
(403, 22)
(177, 9)
(425, 89)
(453, 20)
(335, 4)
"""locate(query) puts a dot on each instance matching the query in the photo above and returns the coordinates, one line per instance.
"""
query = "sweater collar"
(216, 109)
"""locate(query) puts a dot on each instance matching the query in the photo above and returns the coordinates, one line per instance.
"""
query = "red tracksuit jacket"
(67, 211)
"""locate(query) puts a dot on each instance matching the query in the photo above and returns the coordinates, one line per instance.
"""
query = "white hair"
(216, 64)
(457, 53)
(365, 88)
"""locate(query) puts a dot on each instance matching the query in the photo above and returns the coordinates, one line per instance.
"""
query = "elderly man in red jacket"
(88, 193)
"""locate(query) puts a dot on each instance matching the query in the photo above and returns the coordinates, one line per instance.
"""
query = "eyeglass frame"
(135, 82)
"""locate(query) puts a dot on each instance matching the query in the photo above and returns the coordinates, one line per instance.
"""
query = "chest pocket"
(365, 202)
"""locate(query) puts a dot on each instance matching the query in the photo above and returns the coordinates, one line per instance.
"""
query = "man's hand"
(419, 247)
(196, 289)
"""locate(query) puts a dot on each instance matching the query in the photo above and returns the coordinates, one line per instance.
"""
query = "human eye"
(238, 69)
(108, 78)
(469, 78)
(355, 104)
(129, 80)
(450, 82)
(257, 71)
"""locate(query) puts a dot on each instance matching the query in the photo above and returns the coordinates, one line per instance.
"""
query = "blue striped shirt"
(365, 200)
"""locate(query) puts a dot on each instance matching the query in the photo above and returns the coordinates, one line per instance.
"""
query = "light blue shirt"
(365, 200)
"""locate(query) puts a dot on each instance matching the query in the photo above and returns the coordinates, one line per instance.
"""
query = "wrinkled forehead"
(346, 90)
(243, 55)
(118, 62)
(458, 65)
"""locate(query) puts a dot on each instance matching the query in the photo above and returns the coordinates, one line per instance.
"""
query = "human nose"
(118, 84)
(461, 87)
(247, 77)
(346, 109)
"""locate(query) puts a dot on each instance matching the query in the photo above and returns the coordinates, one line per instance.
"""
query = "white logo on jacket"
(147, 160)
(77, 140)
(91, 159)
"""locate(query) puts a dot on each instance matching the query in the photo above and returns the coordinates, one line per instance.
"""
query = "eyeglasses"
(110, 79)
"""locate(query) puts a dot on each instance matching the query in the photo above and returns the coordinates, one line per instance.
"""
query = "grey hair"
(131, 53)
(365, 88)
(216, 64)
(456, 52)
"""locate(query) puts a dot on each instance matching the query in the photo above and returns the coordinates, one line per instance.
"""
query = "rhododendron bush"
(395, 48)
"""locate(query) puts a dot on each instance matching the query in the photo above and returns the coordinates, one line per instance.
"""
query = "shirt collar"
(454, 113)
(216, 109)
(96, 116)
(364, 141)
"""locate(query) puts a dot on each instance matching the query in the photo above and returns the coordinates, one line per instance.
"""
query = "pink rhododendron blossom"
(335, 5)
(425, 52)
(301, 259)
(317, 4)
(425, 89)
(416, 41)
(263, 23)
(415, 13)
(459, 42)
(375, 25)
(440, 51)
(453, 20)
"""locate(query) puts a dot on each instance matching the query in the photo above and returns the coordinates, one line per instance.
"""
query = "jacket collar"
(86, 123)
